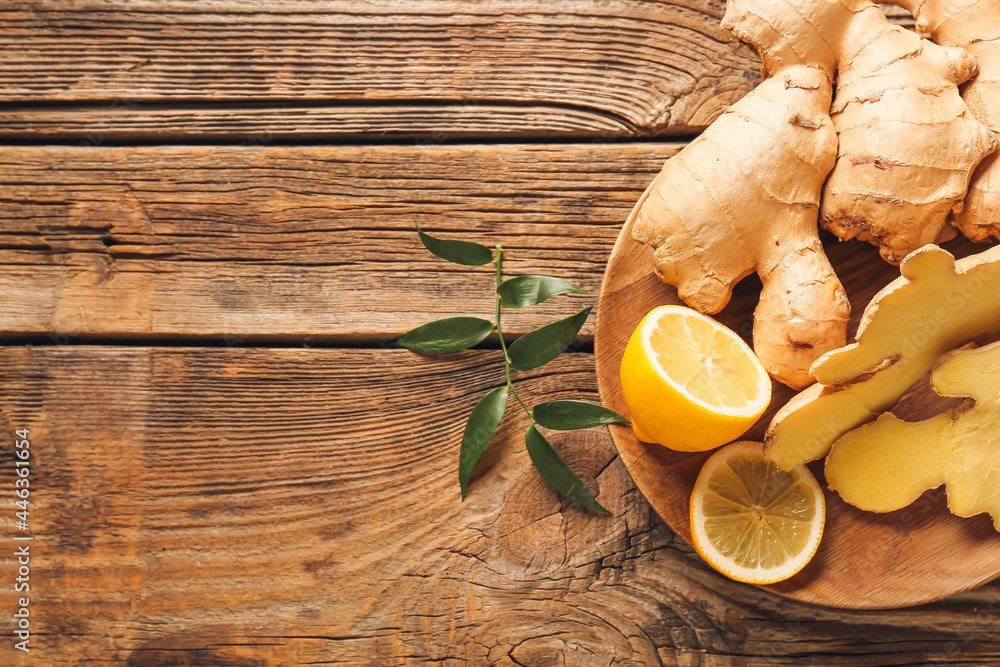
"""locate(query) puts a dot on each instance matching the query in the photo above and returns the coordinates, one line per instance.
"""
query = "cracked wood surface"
(209, 506)
(242, 244)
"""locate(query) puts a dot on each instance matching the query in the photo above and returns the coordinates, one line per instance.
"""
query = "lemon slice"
(690, 383)
(751, 521)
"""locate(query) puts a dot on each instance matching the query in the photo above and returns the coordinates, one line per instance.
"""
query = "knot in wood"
(540, 530)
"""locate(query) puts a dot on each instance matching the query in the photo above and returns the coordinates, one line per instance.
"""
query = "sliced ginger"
(887, 464)
(936, 305)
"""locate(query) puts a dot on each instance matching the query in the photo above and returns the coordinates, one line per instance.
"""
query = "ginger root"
(744, 196)
(908, 142)
(936, 305)
(887, 464)
(974, 25)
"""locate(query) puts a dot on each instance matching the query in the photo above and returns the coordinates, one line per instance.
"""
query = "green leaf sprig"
(529, 351)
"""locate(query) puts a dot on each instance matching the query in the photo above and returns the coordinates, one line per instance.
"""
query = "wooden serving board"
(866, 561)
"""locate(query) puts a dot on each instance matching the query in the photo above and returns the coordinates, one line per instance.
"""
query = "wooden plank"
(617, 68)
(279, 507)
(250, 244)
(109, 71)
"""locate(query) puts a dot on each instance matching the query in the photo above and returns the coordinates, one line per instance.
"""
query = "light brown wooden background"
(206, 238)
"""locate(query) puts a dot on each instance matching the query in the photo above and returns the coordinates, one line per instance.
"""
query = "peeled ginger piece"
(936, 305)
(887, 464)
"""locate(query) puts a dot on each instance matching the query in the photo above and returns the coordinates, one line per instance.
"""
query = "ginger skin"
(974, 25)
(907, 142)
(721, 209)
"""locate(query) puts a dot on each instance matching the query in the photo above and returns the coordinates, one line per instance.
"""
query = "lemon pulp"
(752, 521)
(705, 361)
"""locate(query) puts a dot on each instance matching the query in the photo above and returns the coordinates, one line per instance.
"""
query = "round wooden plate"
(866, 561)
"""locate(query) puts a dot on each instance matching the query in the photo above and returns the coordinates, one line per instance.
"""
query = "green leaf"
(459, 252)
(571, 415)
(479, 429)
(447, 335)
(556, 472)
(531, 290)
(545, 343)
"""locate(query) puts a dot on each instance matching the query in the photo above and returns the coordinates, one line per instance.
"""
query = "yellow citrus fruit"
(690, 383)
(752, 521)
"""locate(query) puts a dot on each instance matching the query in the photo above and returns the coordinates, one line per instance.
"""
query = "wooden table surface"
(207, 244)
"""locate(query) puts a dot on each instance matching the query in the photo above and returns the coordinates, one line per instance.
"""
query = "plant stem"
(497, 294)
(503, 345)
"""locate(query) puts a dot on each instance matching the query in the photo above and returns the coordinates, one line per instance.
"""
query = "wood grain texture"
(103, 72)
(257, 125)
(866, 560)
(261, 506)
(250, 244)
(565, 67)
(281, 507)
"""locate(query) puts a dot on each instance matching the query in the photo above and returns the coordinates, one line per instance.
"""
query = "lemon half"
(691, 384)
